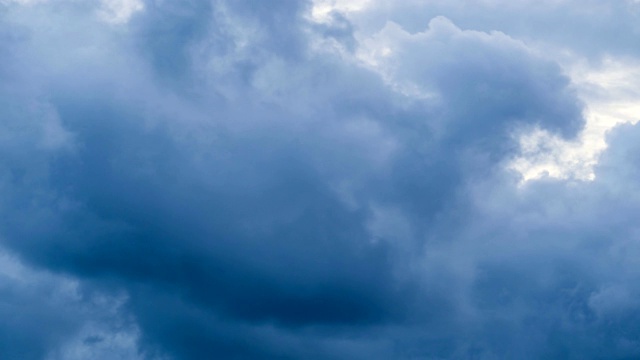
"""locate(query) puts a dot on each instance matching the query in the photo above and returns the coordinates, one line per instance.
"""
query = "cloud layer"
(248, 180)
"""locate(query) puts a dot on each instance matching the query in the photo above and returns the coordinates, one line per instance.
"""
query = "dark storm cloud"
(255, 197)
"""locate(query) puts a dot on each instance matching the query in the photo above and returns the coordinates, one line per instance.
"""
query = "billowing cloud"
(313, 180)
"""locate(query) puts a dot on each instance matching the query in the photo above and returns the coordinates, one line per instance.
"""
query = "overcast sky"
(319, 179)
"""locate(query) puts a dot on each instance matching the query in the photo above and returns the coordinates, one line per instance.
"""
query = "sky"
(319, 179)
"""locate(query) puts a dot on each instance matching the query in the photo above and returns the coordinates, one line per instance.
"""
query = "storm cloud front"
(316, 179)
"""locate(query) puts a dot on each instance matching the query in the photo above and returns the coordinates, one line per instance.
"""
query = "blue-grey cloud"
(243, 192)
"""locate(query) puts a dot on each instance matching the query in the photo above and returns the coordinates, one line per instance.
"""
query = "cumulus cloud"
(310, 180)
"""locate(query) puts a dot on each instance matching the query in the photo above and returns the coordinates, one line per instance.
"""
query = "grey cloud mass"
(236, 180)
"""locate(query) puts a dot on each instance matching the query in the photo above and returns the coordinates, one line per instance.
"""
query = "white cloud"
(120, 11)
(322, 9)
(611, 93)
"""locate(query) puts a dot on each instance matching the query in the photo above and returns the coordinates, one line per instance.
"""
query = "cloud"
(120, 11)
(50, 316)
(239, 180)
